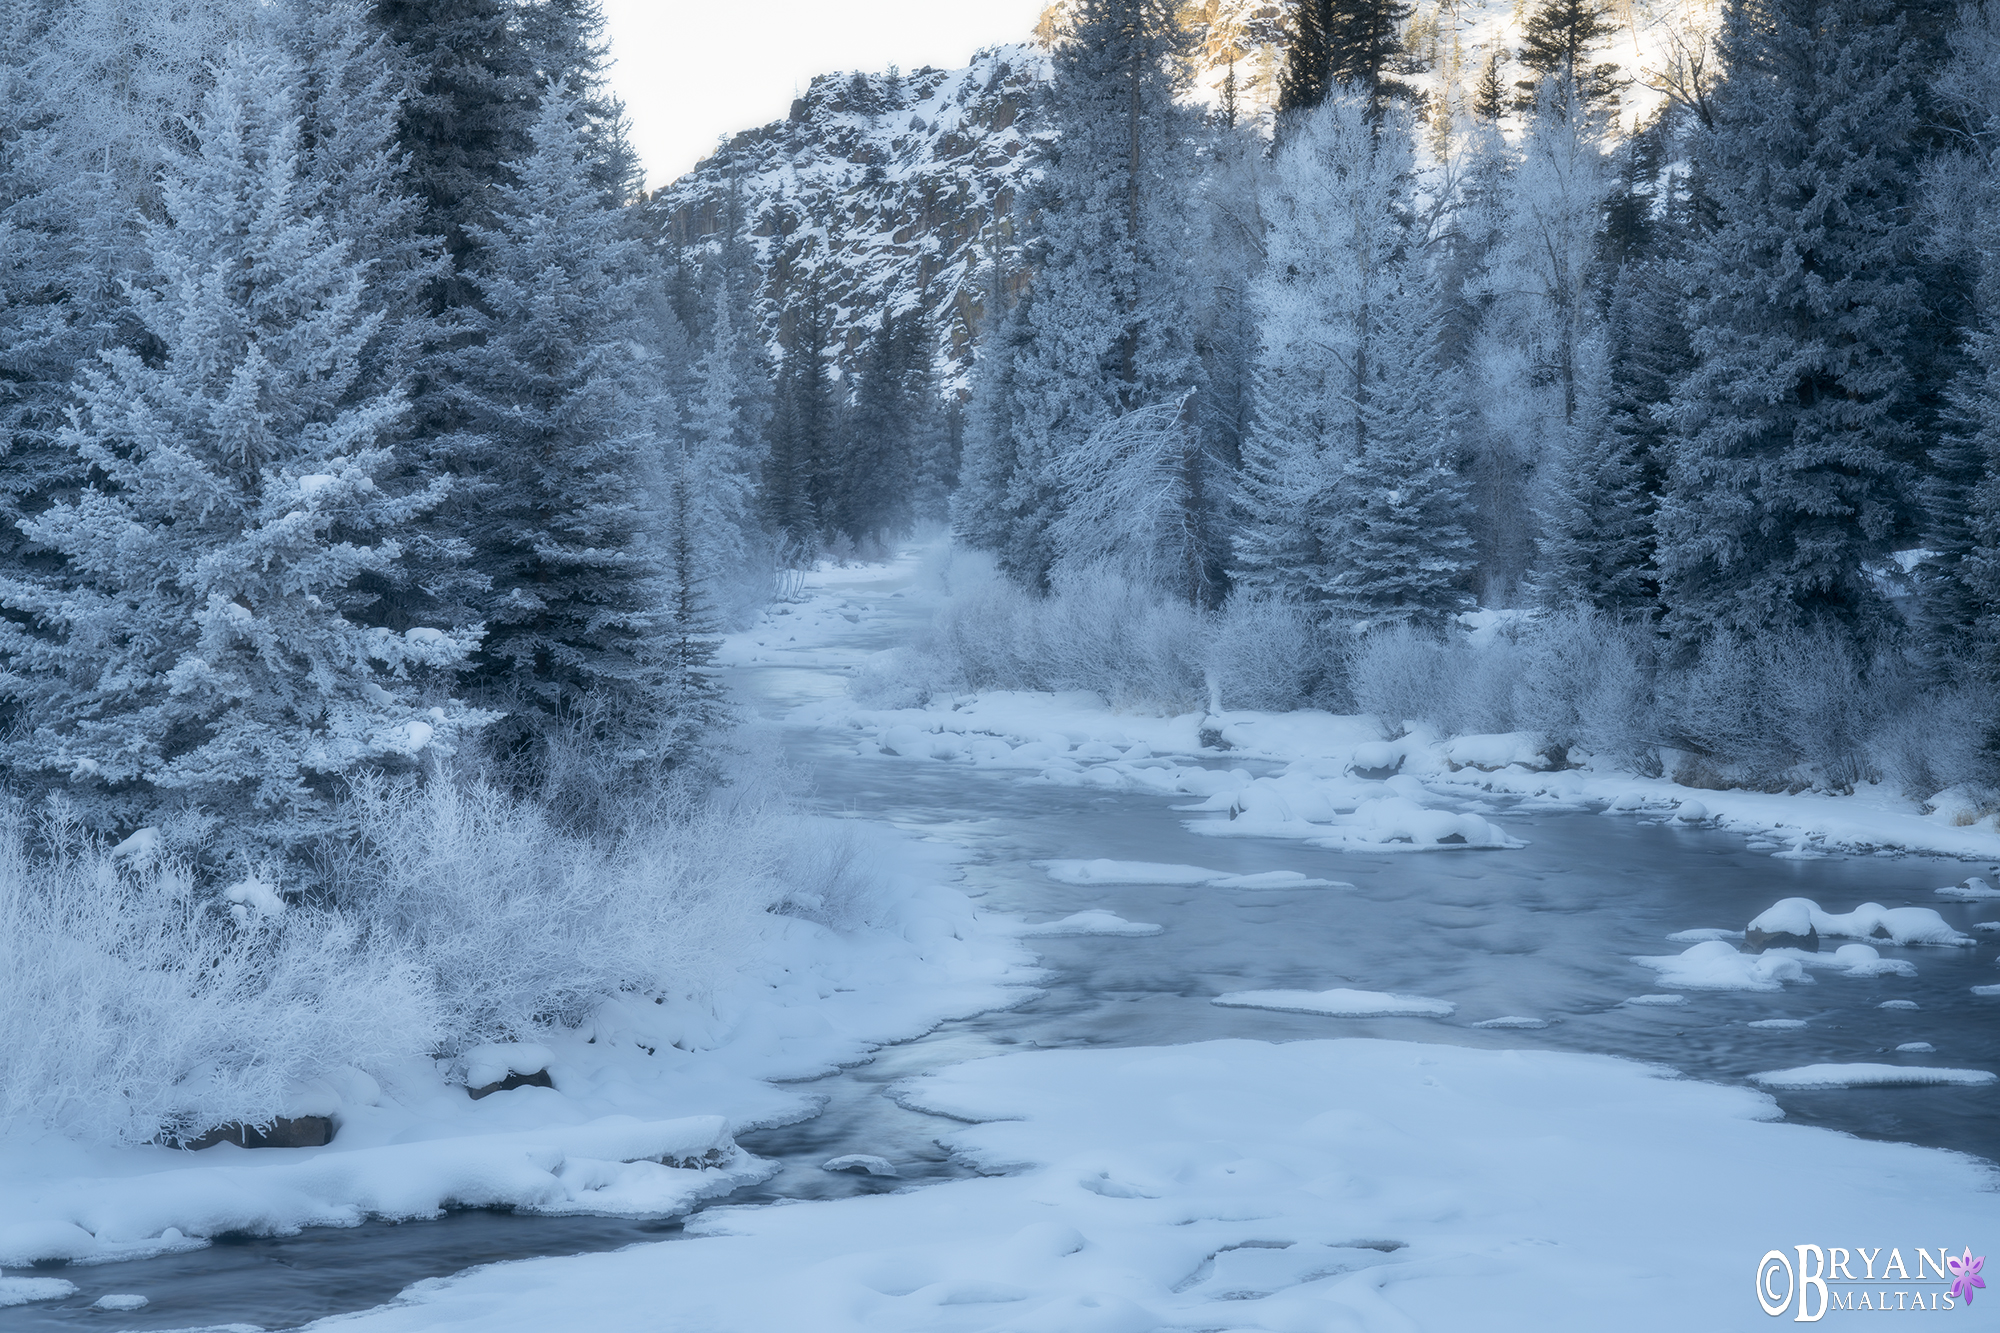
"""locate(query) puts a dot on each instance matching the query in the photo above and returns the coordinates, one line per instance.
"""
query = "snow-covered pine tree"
(1108, 330)
(1396, 541)
(1335, 256)
(799, 464)
(879, 449)
(565, 44)
(1790, 472)
(467, 116)
(94, 96)
(723, 456)
(1960, 577)
(568, 493)
(202, 643)
(1596, 546)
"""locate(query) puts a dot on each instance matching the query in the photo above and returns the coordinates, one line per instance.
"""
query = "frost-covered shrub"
(1930, 738)
(1268, 654)
(133, 1004)
(521, 924)
(1096, 630)
(1404, 674)
(1586, 681)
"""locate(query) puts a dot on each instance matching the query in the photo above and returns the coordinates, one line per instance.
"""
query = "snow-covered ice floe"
(1338, 1003)
(1717, 965)
(1093, 922)
(1331, 1186)
(1870, 1076)
(1897, 925)
(1658, 1001)
(866, 1163)
(1972, 890)
(21, 1290)
(1777, 1024)
(1506, 1021)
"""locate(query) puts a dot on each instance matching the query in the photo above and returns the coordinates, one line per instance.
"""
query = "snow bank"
(1339, 1003)
(614, 1166)
(1303, 1187)
(1870, 1076)
(1335, 764)
(1094, 922)
(1898, 925)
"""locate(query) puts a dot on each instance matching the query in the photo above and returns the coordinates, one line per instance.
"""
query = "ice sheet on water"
(1870, 1076)
(1104, 871)
(1658, 1001)
(120, 1302)
(1340, 1002)
(1898, 1004)
(1777, 1024)
(22, 1290)
(1512, 1021)
(1916, 1048)
(1704, 933)
(1310, 1185)
(1096, 921)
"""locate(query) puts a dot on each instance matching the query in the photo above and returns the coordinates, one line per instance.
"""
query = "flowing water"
(1547, 931)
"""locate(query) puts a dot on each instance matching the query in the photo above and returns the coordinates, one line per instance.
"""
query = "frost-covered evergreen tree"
(567, 493)
(1960, 578)
(1332, 43)
(202, 642)
(1793, 432)
(1396, 541)
(1597, 540)
(1336, 260)
(717, 510)
(798, 466)
(1108, 330)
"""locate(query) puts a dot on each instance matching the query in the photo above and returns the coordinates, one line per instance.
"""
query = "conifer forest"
(518, 681)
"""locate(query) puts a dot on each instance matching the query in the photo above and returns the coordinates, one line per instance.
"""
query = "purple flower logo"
(1965, 1274)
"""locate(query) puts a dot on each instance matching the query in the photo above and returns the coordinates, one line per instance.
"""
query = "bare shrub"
(1585, 681)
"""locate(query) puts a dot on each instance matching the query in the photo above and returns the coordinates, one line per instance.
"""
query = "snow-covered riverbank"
(639, 1121)
(1322, 1186)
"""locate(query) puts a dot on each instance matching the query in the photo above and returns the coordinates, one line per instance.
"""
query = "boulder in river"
(286, 1131)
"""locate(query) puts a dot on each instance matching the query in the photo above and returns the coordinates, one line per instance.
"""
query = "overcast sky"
(692, 72)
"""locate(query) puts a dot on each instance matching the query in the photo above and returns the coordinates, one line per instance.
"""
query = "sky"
(691, 73)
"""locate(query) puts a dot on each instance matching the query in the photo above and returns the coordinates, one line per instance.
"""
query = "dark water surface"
(1547, 931)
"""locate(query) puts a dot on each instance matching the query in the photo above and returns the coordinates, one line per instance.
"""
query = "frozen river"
(1548, 930)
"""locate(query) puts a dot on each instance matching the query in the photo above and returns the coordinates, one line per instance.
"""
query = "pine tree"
(1107, 332)
(1790, 472)
(1341, 42)
(1960, 577)
(203, 642)
(1489, 96)
(799, 466)
(1395, 536)
(723, 458)
(467, 116)
(1347, 353)
(567, 495)
(1557, 43)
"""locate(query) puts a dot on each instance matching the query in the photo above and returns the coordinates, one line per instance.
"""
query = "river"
(1548, 931)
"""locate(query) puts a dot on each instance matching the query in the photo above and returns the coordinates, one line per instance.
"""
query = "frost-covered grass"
(140, 1000)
